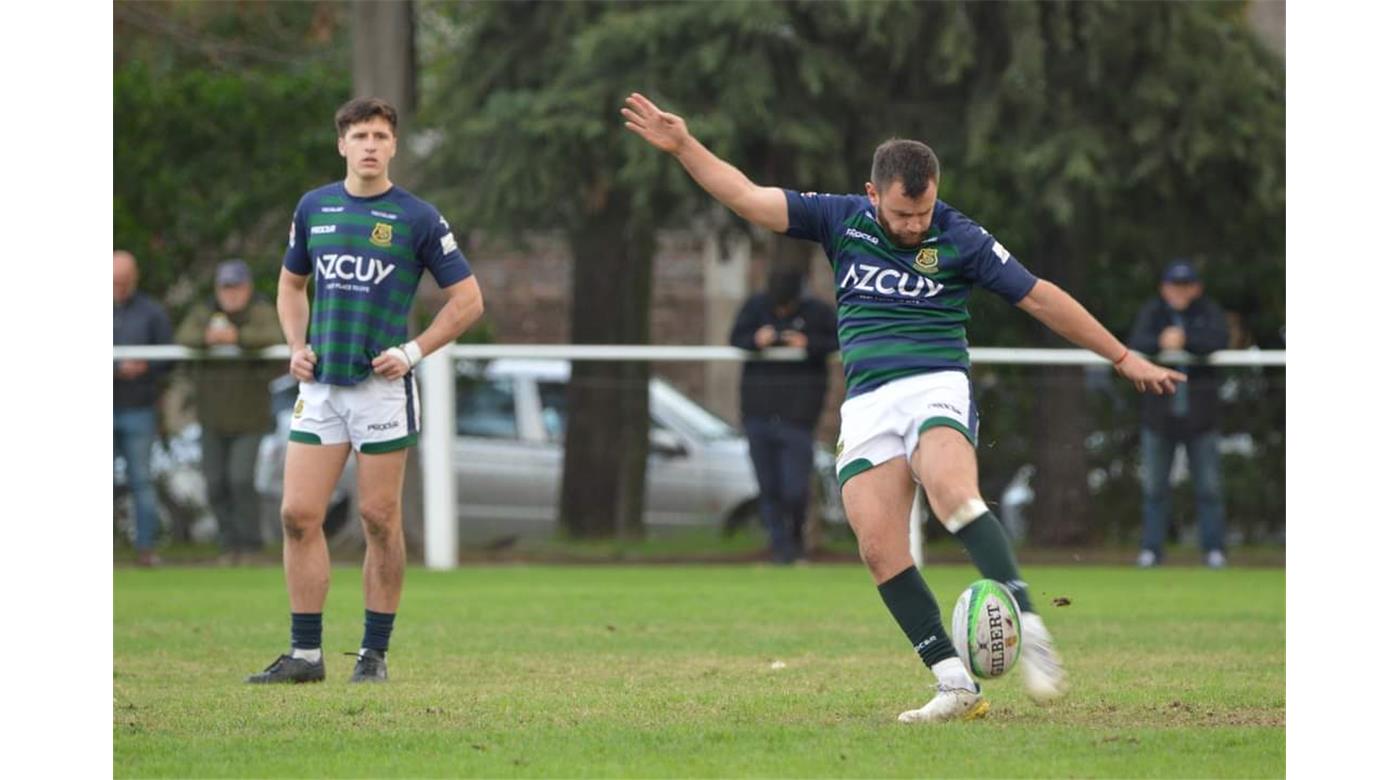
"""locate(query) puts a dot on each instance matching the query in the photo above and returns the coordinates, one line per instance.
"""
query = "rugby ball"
(987, 629)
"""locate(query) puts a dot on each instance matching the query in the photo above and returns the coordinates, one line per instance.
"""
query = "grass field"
(595, 670)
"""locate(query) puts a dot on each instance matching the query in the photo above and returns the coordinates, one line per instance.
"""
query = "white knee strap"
(965, 514)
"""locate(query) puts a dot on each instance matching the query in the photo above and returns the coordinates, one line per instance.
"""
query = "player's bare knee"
(299, 520)
(381, 520)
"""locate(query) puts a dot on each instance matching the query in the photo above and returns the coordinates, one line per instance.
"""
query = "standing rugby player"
(905, 263)
(367, 243)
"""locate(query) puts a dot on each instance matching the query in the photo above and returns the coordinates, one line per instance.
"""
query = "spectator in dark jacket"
(232, 402)
(137, 319)
(1182, 319)
(781, 401)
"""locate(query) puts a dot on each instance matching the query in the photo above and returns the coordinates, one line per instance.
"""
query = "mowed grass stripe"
(647, 671)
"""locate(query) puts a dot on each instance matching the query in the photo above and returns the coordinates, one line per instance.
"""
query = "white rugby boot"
(1041, 670)
(950, 704)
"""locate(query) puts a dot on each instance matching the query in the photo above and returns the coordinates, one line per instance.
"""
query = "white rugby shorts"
(377, 415)
(886, 422)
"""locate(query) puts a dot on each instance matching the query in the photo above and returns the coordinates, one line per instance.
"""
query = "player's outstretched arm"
(763, 206)
(1064, 315)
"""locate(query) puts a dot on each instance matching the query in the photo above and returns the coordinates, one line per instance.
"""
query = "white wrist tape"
(410, 353)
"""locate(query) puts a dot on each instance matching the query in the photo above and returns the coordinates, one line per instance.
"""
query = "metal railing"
(438, 391)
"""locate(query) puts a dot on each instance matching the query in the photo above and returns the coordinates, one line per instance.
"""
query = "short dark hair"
(908, 161)
(364, 109)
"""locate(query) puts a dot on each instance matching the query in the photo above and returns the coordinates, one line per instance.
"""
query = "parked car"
(509, 455)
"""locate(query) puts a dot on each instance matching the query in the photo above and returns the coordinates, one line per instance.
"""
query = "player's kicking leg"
(877, 506)
(311, 473)
(947, 467)
(381, 511)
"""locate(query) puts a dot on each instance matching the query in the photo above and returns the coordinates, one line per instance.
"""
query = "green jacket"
(231, 395)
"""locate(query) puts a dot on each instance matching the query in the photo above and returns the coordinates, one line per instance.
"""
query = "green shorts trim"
(302, 437)
(857, 466)
(380, 447)
(947, 422)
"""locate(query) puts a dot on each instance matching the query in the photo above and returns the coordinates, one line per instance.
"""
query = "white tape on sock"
(965, 514)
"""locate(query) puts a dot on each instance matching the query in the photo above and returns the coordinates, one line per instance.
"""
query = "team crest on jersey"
(383, 234)
(296, 410)
(926, 262)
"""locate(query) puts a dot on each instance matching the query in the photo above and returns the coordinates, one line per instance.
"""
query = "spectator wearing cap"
(1182, 319)
(231, 400)
(780, 402)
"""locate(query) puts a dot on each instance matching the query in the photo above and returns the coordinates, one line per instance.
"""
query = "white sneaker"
(1215, 559)
(949, 704)
(1146, 559)
(1041, 670)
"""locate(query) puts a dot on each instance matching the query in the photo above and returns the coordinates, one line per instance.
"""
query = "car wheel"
(742, 517)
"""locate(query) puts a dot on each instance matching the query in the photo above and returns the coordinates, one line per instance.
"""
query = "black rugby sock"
(378, 627)
(908, 598)
(986, 542)
(306, 630)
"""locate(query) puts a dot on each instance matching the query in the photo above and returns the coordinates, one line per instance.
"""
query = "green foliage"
(217, 134)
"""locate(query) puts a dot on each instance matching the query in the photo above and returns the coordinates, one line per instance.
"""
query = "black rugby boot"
(287, 669)
(371, 667)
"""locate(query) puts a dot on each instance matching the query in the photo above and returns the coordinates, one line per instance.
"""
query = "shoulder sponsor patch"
(292, 235)
(1000, 251)
(449, 244)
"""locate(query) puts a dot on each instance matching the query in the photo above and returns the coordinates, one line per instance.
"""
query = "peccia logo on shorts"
(389, 426)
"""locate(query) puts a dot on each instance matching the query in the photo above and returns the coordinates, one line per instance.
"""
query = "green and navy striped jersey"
(902, 312)
(368, 255)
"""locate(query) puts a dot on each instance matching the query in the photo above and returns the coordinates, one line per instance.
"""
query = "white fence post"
(439, 478)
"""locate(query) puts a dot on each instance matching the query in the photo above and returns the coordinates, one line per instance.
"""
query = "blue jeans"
(782, 460)
(133, 434)
(1203, 458)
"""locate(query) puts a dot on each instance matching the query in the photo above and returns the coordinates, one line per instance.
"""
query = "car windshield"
(669, 404)
(694, 418)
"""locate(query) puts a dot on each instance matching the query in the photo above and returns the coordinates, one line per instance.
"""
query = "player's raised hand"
(666, 132)
(1146, 375)
(303, 364)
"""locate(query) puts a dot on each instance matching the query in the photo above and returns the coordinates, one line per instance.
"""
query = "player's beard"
(898, 239)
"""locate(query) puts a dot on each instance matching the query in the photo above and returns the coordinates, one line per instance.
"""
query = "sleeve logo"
(449, 244)
(292, 235)
(1000, 251)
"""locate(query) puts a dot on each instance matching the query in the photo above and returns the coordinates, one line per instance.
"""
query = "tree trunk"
(1062, 514)
(607, 437)
(384, 65)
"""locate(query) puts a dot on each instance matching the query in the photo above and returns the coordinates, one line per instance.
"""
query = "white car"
(509, 458)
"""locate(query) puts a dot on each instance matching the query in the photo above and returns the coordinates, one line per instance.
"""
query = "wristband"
(411, 352)
(1121, 358)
